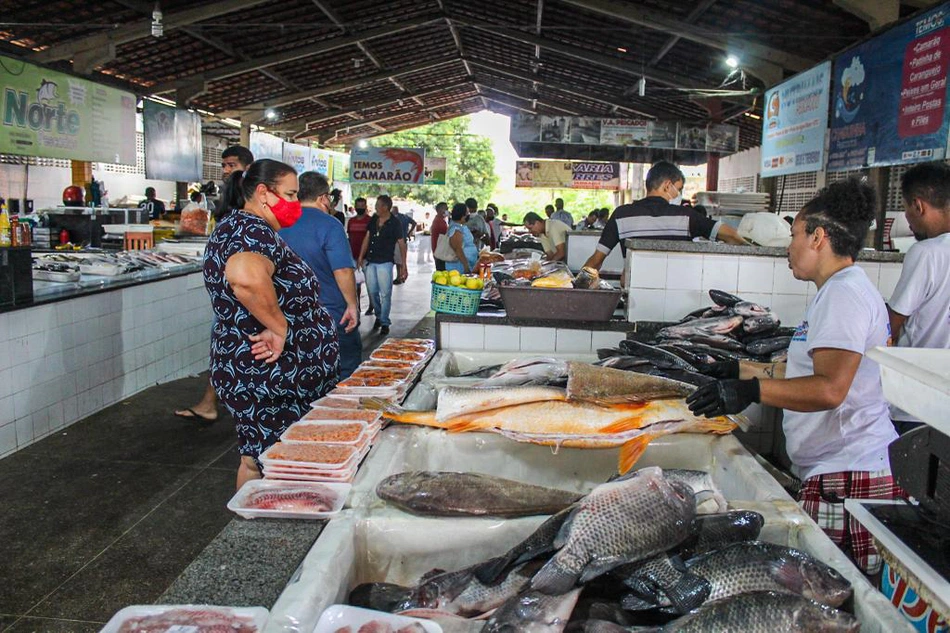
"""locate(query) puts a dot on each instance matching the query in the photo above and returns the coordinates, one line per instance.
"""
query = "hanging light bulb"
(158, 29)
(642, 87)
(732, 61)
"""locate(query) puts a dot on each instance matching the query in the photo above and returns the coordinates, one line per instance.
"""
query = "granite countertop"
(719, 248)
(617, 324)
(248, 564)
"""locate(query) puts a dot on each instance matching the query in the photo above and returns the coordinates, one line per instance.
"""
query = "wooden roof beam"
(140, 29)
(660, 21)
(697, 11)
(303, 95)
(877, 13)
(322, 132)
(264, 61)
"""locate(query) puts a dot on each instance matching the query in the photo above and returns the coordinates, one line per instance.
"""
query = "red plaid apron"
(822, 498)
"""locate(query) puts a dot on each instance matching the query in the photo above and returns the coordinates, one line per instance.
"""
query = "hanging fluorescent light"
(621, 49)
(158, 29)
(642, 87)
(732, 61)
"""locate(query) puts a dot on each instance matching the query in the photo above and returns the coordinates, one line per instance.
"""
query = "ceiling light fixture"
(732, 61)
(752, 115)
(621, 49)
(158, 29)
(270, 114)
(363, 143)
(642, 87)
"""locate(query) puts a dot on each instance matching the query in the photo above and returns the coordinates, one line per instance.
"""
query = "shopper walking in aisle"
(461, 241)
(659, 216)
(494, 226)
(234, 158)
(274, 348)
(383, 237)
(319, 239)
(476, 223)
(562, 215)
(919, 308)
(408, 231)
(356, 231)
(836, 420)
(439, 227)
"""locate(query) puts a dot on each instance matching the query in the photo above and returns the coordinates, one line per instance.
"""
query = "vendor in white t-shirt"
(919, 309)
(836, 420)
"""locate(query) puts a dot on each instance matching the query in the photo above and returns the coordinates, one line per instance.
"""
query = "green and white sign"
(54, 115)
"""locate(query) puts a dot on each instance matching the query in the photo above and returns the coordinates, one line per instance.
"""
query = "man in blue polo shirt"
(320, 240)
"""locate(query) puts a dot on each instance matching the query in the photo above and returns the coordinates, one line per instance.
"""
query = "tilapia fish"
(710, 532)
(540, 542)
(533, 612)
(760, 566)
(430, 493)
(764, 612)
(380, 596)
(709, 499)
(618, 522)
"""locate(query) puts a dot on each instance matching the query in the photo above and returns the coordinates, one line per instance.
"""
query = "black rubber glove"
(722, 369)
(723, 397)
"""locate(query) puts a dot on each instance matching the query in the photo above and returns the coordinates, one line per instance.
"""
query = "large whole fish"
(604, 385)
(763, 612)
(760, 566)
(527, 371)
(540, 542)
(618, 522)
(714, 531)
(713, 325)
(458, 401)
(533, 612)
(430, 493)
(709, 499)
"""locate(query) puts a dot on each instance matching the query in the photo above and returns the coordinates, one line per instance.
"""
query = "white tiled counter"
(65, 360)
(667, 280)
(493, 333)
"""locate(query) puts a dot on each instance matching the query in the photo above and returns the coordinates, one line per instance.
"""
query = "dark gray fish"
(461, 593)
(764, 612)
(379, 596)
(533, 612)
(724, 298)
(718, 341)
(446, 494)
(719, 354)
(747, 309)
(711, 326)
(695, 314)
(604, 353)
(760, 566)
(625, 362)
(600, 626)
(540, 542)
(768, 345)
(480, 372)
(717, 311)
(688, 377)
(654, 354)
(618, 522)
(699, 481)
(764, 323)
(662, 581)
(780, 356)
(697, 360)
(714, 531)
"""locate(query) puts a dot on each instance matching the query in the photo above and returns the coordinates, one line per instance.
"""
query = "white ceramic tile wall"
(504, 338)
(765, 280)
(64, 361)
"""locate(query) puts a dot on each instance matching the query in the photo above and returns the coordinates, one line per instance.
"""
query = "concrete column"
(246, 134)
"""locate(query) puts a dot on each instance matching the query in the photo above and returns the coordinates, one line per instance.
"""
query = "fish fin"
(398, 414)
(464, 425)
(786, 573)
(492, 571)
(554, 579)
(631, 602)
(632, 451)
(688, 593)
(625, 425)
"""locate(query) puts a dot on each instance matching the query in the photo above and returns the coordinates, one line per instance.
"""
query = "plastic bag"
(554, 275)
(194, 220)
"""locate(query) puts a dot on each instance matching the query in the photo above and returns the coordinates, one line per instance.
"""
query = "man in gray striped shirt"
(659, 216)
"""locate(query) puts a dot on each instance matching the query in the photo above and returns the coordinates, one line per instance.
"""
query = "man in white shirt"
(919, 309)
(560, 214)
(551, 232)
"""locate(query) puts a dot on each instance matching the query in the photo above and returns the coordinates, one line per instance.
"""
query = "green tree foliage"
(517, 202)
(470, 164)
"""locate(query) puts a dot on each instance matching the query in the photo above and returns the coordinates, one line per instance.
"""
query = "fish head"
(822, 583)
(818, 618)
(403, 486)
(682, 497)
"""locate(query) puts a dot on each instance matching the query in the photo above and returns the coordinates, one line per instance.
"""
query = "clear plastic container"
(341, 616)
(309, 456)
(253, 618)
(242, 503)
(348, 433)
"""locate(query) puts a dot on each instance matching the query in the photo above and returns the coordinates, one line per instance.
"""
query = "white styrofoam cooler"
(917, 381)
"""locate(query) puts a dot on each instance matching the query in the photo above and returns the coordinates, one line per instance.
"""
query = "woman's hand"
(267, 346)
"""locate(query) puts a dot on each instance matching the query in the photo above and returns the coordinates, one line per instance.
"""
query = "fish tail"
(633, 450)
(398, 414)
(489, 572)
(554, 579)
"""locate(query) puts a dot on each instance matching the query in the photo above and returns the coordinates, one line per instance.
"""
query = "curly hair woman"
(836, 420)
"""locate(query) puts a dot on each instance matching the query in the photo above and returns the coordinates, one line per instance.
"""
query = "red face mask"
(287, 212)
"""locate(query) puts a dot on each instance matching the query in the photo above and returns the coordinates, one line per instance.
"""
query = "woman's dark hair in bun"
(845, 211)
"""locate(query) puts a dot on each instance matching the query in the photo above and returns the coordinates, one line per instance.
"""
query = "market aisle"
(110, 511)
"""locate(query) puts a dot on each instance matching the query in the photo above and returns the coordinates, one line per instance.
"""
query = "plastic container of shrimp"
(312, 456)
(185, 617)
(332, 476)
(340, 401)
(272, 499)
(343, 432)
(339, 415)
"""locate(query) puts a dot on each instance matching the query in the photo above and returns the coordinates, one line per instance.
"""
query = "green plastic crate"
(455, 300)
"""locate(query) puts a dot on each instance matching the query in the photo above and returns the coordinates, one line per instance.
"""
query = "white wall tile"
(601, 339)
(645, 305)
(502, 338)
(40, 424)
(756, 297)
(24, 431)
(789, 308)
(648, 270)
(538, 339)
(720, 272)
(784, 282)
(7, 412)
(756, 274)
(8, 441)
(684, 271)
(890, 274)
(679, 303)
(573, 341)
(872, 270)
(468, 336)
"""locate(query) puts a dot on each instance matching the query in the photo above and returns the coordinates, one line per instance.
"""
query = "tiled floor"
(109, 511)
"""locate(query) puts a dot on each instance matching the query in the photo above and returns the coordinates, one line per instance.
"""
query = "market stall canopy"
(341, 70)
